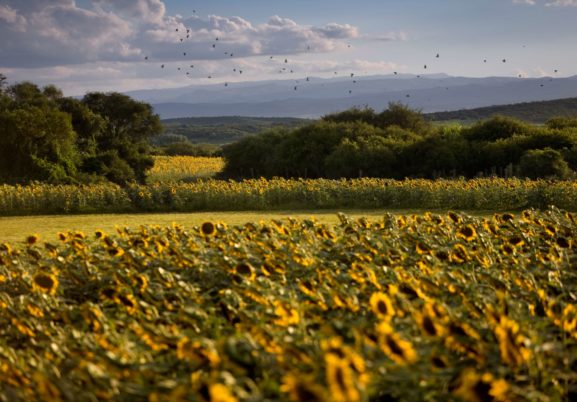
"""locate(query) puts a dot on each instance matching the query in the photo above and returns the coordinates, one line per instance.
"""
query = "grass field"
(16, 229)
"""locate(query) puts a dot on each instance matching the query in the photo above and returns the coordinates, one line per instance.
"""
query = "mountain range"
(315, 97)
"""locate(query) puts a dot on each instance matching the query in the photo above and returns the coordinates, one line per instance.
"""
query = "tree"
(560, 123)
(3, 82)
(354, 114)
(546, 162)
(128, 125)
(495, 128)
(402, 116)
(88, 125)
(37, 144)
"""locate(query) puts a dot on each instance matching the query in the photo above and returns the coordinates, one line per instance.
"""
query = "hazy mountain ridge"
(318, 96)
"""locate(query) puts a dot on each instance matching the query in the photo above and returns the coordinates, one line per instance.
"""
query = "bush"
(547, 163)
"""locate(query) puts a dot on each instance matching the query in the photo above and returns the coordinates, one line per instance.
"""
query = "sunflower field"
(176, 168)
(494, 194)
(428, 307)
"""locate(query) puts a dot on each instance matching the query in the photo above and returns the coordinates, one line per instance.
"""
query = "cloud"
(14, 21)
(338, 31)
(57, 32)
(387, 37)
(61, 32)
(562, 3)
(146, 10)
(555, 3)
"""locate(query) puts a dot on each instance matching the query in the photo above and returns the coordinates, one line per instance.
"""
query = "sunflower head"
(467, 232)
(382, 306)
(45, 282)
(32, 239)
(208, 229)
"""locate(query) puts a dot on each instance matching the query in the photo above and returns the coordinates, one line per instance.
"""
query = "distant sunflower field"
(493, 194)
(429, 307)
(176, 168)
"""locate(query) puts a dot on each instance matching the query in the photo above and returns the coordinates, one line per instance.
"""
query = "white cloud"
(13, 20)
(146, 10)
(554, 3)
(103, 45)
(61, 32)
(562, 3)
(387, 37)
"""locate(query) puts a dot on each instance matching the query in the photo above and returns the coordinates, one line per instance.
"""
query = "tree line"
(45, 136)
(400, 142)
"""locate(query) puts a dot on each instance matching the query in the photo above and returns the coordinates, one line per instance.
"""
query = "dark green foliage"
(366, 115)
(399, 143)
(189, 149)
(37, 141)
(402, 116)
(224, 129)
(546, 163)
(128, 125)
(45, 136)
(561, 123)
(495, 128)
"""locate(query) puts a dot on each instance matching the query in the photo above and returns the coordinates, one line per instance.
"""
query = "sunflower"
(128, 301)
(202, 353)
(563, 242)
(459, 254)
(115, 251)
(454, 217)
(6, 248)
(287, 315)
(397, 349)
(422, 248)
(341, 379)
(511, 342)
(245, 270)
(301, 388)
(428, 323)
(474, 387)
(45, 282)
(467, 233)
(208, 229)
(550, 230)
(507, 249)
(108, 293)
(220, 393)
(439, 362)
(32, 239)
(382, 306)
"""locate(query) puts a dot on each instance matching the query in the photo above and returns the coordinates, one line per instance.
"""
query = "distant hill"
(534, 112)
(226, 129)
(222, 129)
(313, 97)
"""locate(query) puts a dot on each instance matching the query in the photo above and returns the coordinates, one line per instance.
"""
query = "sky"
(122, 45)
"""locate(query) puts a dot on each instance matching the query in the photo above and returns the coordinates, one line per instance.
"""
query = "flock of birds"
(285, 67)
